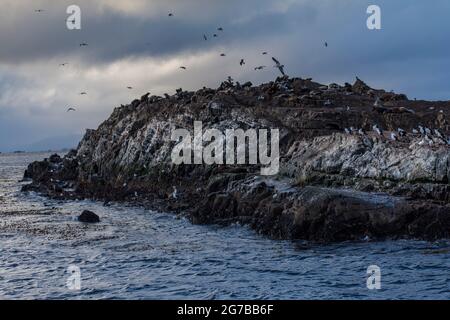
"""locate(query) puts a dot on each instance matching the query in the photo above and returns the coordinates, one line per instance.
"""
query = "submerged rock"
(89, 217)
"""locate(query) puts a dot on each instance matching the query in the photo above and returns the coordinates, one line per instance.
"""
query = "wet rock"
(89, 217)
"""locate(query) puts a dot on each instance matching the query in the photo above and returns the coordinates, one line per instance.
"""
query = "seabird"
(421, 130)
(130, 88)
(220, 29)
(326, 44)
(428, 131)
(414, 131)
(175, 193)
(205, 37)
(215, 35)
(264, 53)
(84, 44)
(170, 14)
(63, 64)
(393, 136)
(401, 132)
(39, 10)
(183, 67)
(279, 66)
(222, 54)
(260, 67)
(377, 130)
(242, 62)
(71, 109)
(83, 93)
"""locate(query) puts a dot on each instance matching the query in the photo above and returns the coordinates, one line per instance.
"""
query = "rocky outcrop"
(331, 186)
(88, 217)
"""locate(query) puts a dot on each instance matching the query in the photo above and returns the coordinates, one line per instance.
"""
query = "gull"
(205, 37)
(83, 93)
(260, 67)
(84, 44)
(326, 44)
(264, 53)
(183, 67)
(220, 29)
(279, 66)
(222, 54)
(71, 109)
(170, 14)
(215, 35)
(130, 88)
(242, 62)
(175, 193)
(63, 64)
(428, 131)
(39, 10)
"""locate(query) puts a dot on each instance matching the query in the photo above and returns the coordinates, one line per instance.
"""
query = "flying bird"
(182, 67)
(242, 62)
(170, 14)
(205, 37)
(260, 67)
(326, 44)
(264, 53)
(63, 64)
(220, 29)
(215, 35)
(223, 55)
(83, 93)
(71, 109)
(279, 66)
(83, 44)
(38, 10)
(129, 88)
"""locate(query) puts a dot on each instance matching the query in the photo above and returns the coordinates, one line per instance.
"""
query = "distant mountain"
(53, 143)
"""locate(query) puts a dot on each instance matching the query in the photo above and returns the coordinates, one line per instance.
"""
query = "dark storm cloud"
(134, 42)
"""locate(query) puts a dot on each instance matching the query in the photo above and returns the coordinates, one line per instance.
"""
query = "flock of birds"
(430, 136)
(242, 62)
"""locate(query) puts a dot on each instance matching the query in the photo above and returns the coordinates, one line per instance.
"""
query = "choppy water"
(137, 254)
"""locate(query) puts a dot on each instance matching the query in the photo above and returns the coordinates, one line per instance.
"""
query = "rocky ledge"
(356, 163)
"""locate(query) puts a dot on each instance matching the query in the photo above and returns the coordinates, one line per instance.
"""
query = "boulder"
(89, 217)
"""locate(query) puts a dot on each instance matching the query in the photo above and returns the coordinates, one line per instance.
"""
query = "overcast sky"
(135, 43)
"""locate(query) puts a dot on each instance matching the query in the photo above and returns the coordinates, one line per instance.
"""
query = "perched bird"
(260, 67)
(394, 136)
(377, 130)
(421, 130)
(183, 67)
(414, 131)
(223, 55)
(84, 44)
(361, 132)
(175, 193)
(242, 62)
(428, 131)
(347, 131)
(279, 66)
(71, 109)
(401, 132)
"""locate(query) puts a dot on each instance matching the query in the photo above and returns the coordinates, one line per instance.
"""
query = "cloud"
(135, 43)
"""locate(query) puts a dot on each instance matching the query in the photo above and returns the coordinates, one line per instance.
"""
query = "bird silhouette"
(205, 37)
(326, 44)
(260, 67)
(183, 67)
(129, 88)
(170, 14)
(279, 66)
(223, 55)
(84, 44)
(71, 109)
(242, 62)
(83, 93)
(220, 29)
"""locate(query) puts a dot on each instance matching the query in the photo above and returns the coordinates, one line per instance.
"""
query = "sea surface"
(139, 254)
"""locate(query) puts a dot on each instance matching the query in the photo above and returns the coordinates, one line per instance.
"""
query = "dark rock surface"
(331, 186)
(88, 217)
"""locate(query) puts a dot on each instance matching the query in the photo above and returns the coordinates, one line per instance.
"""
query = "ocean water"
(139, 254)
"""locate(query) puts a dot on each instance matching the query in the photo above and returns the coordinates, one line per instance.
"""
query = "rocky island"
(356, 162)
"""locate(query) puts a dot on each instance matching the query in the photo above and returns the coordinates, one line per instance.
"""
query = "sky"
(135, 43)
